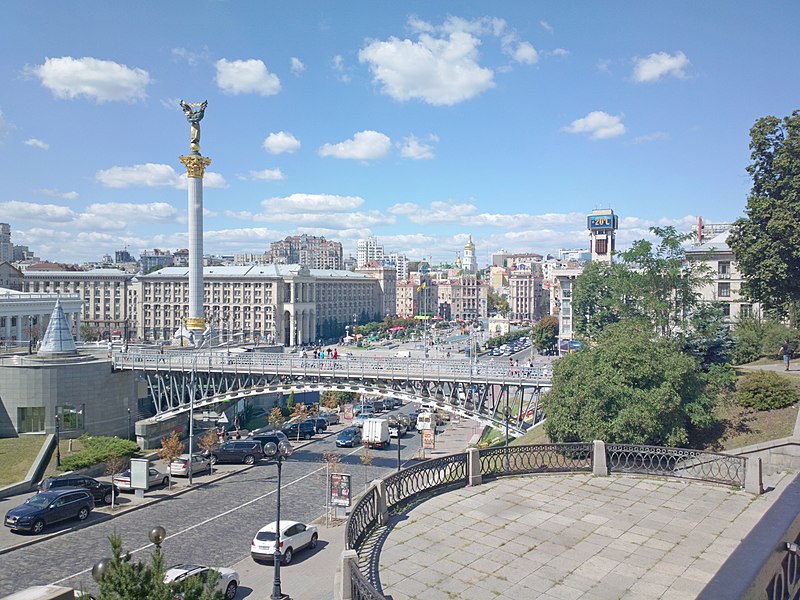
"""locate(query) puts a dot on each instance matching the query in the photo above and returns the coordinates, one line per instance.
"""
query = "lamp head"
(157, 535)
(99, 569)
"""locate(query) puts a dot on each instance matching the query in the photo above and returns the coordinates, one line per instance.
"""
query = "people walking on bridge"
(786, 350)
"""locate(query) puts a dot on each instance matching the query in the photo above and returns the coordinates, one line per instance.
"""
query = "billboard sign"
(428, 439)
(340, 489)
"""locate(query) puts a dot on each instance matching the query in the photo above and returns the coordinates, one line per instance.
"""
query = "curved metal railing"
(537, 458)
(425, 477)
(362, 519)
(677, 462)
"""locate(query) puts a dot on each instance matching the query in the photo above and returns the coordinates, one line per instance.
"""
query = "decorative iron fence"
(361, 589)
(427, 476)
(538, 458)
(362, 519)
(676, 462)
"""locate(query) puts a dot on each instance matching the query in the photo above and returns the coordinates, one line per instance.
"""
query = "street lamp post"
(129, 422)
(506, 414)
(279, 452)
(58, 440)
(156, 535)
(395, 422)
(192, 391)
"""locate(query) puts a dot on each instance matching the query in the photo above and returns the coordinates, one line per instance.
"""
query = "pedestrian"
(786, 350)
(335, 354)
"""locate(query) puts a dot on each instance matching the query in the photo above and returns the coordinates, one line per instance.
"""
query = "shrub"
(754, 338)
(97, 449)
(765, 390)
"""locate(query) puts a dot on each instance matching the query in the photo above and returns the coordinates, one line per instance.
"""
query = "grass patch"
(537, 435)
(17, 456)
(744, 426)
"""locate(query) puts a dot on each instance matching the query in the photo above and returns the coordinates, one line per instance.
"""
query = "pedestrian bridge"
(214, 377)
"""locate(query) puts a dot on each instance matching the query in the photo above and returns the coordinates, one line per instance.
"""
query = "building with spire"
(470, 261)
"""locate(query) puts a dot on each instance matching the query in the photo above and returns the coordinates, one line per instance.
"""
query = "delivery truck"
(375, 433)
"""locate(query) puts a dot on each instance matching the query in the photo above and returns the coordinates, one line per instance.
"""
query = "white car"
(154, 478)
(180, 465)
(294, 536)
(227, 583)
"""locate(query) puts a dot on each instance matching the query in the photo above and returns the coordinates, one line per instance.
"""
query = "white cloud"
(303, 203)
(283, 141)
(115, 216)
(192, 58)
(99, 80)
(341, 70)
(560, 52)
(37, 143)
(153, 175)
(31, 211)
(546, 26)
(246, 77)
(598, 124)
(658, 64)
(57, 194)
(412, 148)
(266, 175)
(437, 70)
(297, 65)
(525, 53)
(604, 65)
(364, 145)
(651, 137)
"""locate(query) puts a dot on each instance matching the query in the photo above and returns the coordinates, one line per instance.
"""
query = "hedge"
(97, 449)
(765, 390)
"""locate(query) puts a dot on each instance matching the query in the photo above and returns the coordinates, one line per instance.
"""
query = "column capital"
(195, 165)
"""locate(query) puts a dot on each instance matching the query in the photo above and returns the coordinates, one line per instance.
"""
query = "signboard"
(601, 222)
(139, 469)
(428, 439)
(348, 412)
(340, 489)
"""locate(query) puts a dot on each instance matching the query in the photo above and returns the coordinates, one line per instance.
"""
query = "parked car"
(293, 537)
(361, 408)
(331, 417)
(48, 507)
(275, 437)
(397, 429)
(180, 465)
(378, 405)
(320, 423)
(412, 417)
(100, 490)
(302, 430)
(154, 478)
(227, 583)
(349, 437)
(237, 451)
(389, 403)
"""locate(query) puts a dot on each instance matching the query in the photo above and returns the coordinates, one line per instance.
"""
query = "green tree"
(634, 387)
(276, 418)
(498, 302)
(766, 241)
(544, 334)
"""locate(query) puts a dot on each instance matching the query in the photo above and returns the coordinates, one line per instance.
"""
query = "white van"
(426, 420)
(403, 354)
(428, 407)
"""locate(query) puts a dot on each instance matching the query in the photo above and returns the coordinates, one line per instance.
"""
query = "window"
(71, 417)
(724, 267)
(746, 310)
(726, 310)
(724, 289)
(30, 419)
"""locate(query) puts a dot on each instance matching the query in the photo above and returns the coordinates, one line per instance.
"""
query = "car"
(349, 437)
(228, 582)
(274, 437)
(390, 403)
(378, 406)
(359, 420)
(360, 408)
(293, 537)
(101, 491)
(412, 417)
(320, 423)
(180, 465)
(154, 478)
(302, 430)
(331, 417)
(48, 507)
(237, 451)
(397, 429)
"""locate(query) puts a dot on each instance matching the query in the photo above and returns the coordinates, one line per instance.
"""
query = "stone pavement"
(567, 536)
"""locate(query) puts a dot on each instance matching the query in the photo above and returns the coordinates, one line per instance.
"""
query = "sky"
(419, 123)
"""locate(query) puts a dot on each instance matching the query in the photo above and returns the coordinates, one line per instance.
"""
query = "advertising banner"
(428, 439)
(340, 489)
(348, 412)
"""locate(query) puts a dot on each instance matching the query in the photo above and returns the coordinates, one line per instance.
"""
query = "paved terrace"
(568, 536)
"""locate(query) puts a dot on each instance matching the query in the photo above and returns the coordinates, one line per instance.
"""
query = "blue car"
(49, 507)
(350, 437)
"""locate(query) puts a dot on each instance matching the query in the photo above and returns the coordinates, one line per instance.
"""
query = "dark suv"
(304, 430)
(276, 437)
(239, 451)
(101, 491)
(52, 506)
(320, 423)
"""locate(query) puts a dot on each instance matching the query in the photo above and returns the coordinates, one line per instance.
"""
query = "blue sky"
(416, 122)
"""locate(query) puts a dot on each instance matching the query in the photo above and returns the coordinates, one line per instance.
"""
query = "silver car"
(331, 417)
(154, 478)
(180, 465)
(227, 583)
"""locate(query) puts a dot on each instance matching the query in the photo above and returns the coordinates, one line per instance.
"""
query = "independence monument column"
(195, 326)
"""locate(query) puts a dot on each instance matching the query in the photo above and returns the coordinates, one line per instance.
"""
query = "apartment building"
(368, 250)
(386, 276)
(525, 293)
(308, 250)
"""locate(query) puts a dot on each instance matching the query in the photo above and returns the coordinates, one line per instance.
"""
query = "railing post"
(474, 467)
(348, 561)
(382, 509)
(599, 464)
(753, 481)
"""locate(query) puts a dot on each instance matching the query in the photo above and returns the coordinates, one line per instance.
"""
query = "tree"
(497, 302)
(599, 298)
(208, 442)
(635, 387)
(766, 241)
(171, 448)
(115, 464)
(276, 418)
(545, 334)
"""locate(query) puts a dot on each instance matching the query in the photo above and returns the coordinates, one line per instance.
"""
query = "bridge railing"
(376, 367)
(470, 468)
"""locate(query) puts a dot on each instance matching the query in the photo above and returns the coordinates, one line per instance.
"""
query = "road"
(214, 524)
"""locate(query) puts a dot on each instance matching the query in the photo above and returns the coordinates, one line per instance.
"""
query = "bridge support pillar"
(348, 560)
(599, 464)
(753, 481)
(474, 466)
